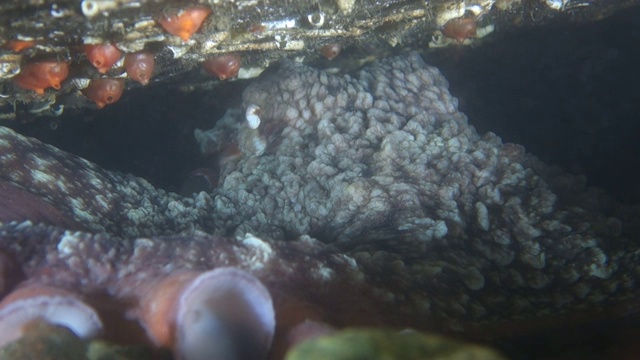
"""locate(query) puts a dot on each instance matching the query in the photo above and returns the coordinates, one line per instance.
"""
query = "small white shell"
(91, 8)
(556, 4)
(316, 19)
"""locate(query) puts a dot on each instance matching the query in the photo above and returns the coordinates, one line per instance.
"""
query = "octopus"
(364, 200)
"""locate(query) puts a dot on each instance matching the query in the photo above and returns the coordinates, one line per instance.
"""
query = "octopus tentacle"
(30, 304)
(96, 199)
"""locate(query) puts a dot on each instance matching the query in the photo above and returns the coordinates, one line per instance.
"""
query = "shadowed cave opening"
(563, 90)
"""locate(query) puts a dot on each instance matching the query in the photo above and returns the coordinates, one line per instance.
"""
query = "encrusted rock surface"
(260, 33)
(376, 344)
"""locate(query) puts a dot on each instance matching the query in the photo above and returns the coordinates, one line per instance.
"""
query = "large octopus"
(365, 200)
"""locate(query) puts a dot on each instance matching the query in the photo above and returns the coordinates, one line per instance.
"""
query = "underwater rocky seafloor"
(464, 222)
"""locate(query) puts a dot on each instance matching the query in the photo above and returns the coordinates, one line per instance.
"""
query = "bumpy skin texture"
(440, 222)
(385, 166)
(97, 200)
(351, 158)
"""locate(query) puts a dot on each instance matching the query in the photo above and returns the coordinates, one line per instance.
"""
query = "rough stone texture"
(382, 169)
(45, 341)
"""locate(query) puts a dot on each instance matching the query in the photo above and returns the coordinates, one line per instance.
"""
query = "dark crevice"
(567, 92)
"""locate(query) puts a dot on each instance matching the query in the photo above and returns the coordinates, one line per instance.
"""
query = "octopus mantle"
(372, 198)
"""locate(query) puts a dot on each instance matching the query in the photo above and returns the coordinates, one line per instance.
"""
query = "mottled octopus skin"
(441, 226)
(94, 199)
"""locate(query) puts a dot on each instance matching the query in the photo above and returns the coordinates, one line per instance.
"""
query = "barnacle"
(38, 76)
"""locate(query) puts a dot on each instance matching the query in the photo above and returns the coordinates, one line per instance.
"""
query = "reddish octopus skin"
(28, 304)
(224, 67)
(41, 75)
(102, 56)
(460, 29)
(17, 204)
(104, 91)
(10, 273)
(186, 22)
(139, 66)
(131, 272)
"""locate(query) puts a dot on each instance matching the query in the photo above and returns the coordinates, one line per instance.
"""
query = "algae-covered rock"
(101, 350)
(53, 342)
(372, 344)
(45, 341)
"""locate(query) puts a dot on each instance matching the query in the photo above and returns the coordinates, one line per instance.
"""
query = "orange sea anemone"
(186, 22)
(38, 76)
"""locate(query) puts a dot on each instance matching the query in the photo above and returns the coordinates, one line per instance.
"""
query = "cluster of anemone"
(103, 90)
